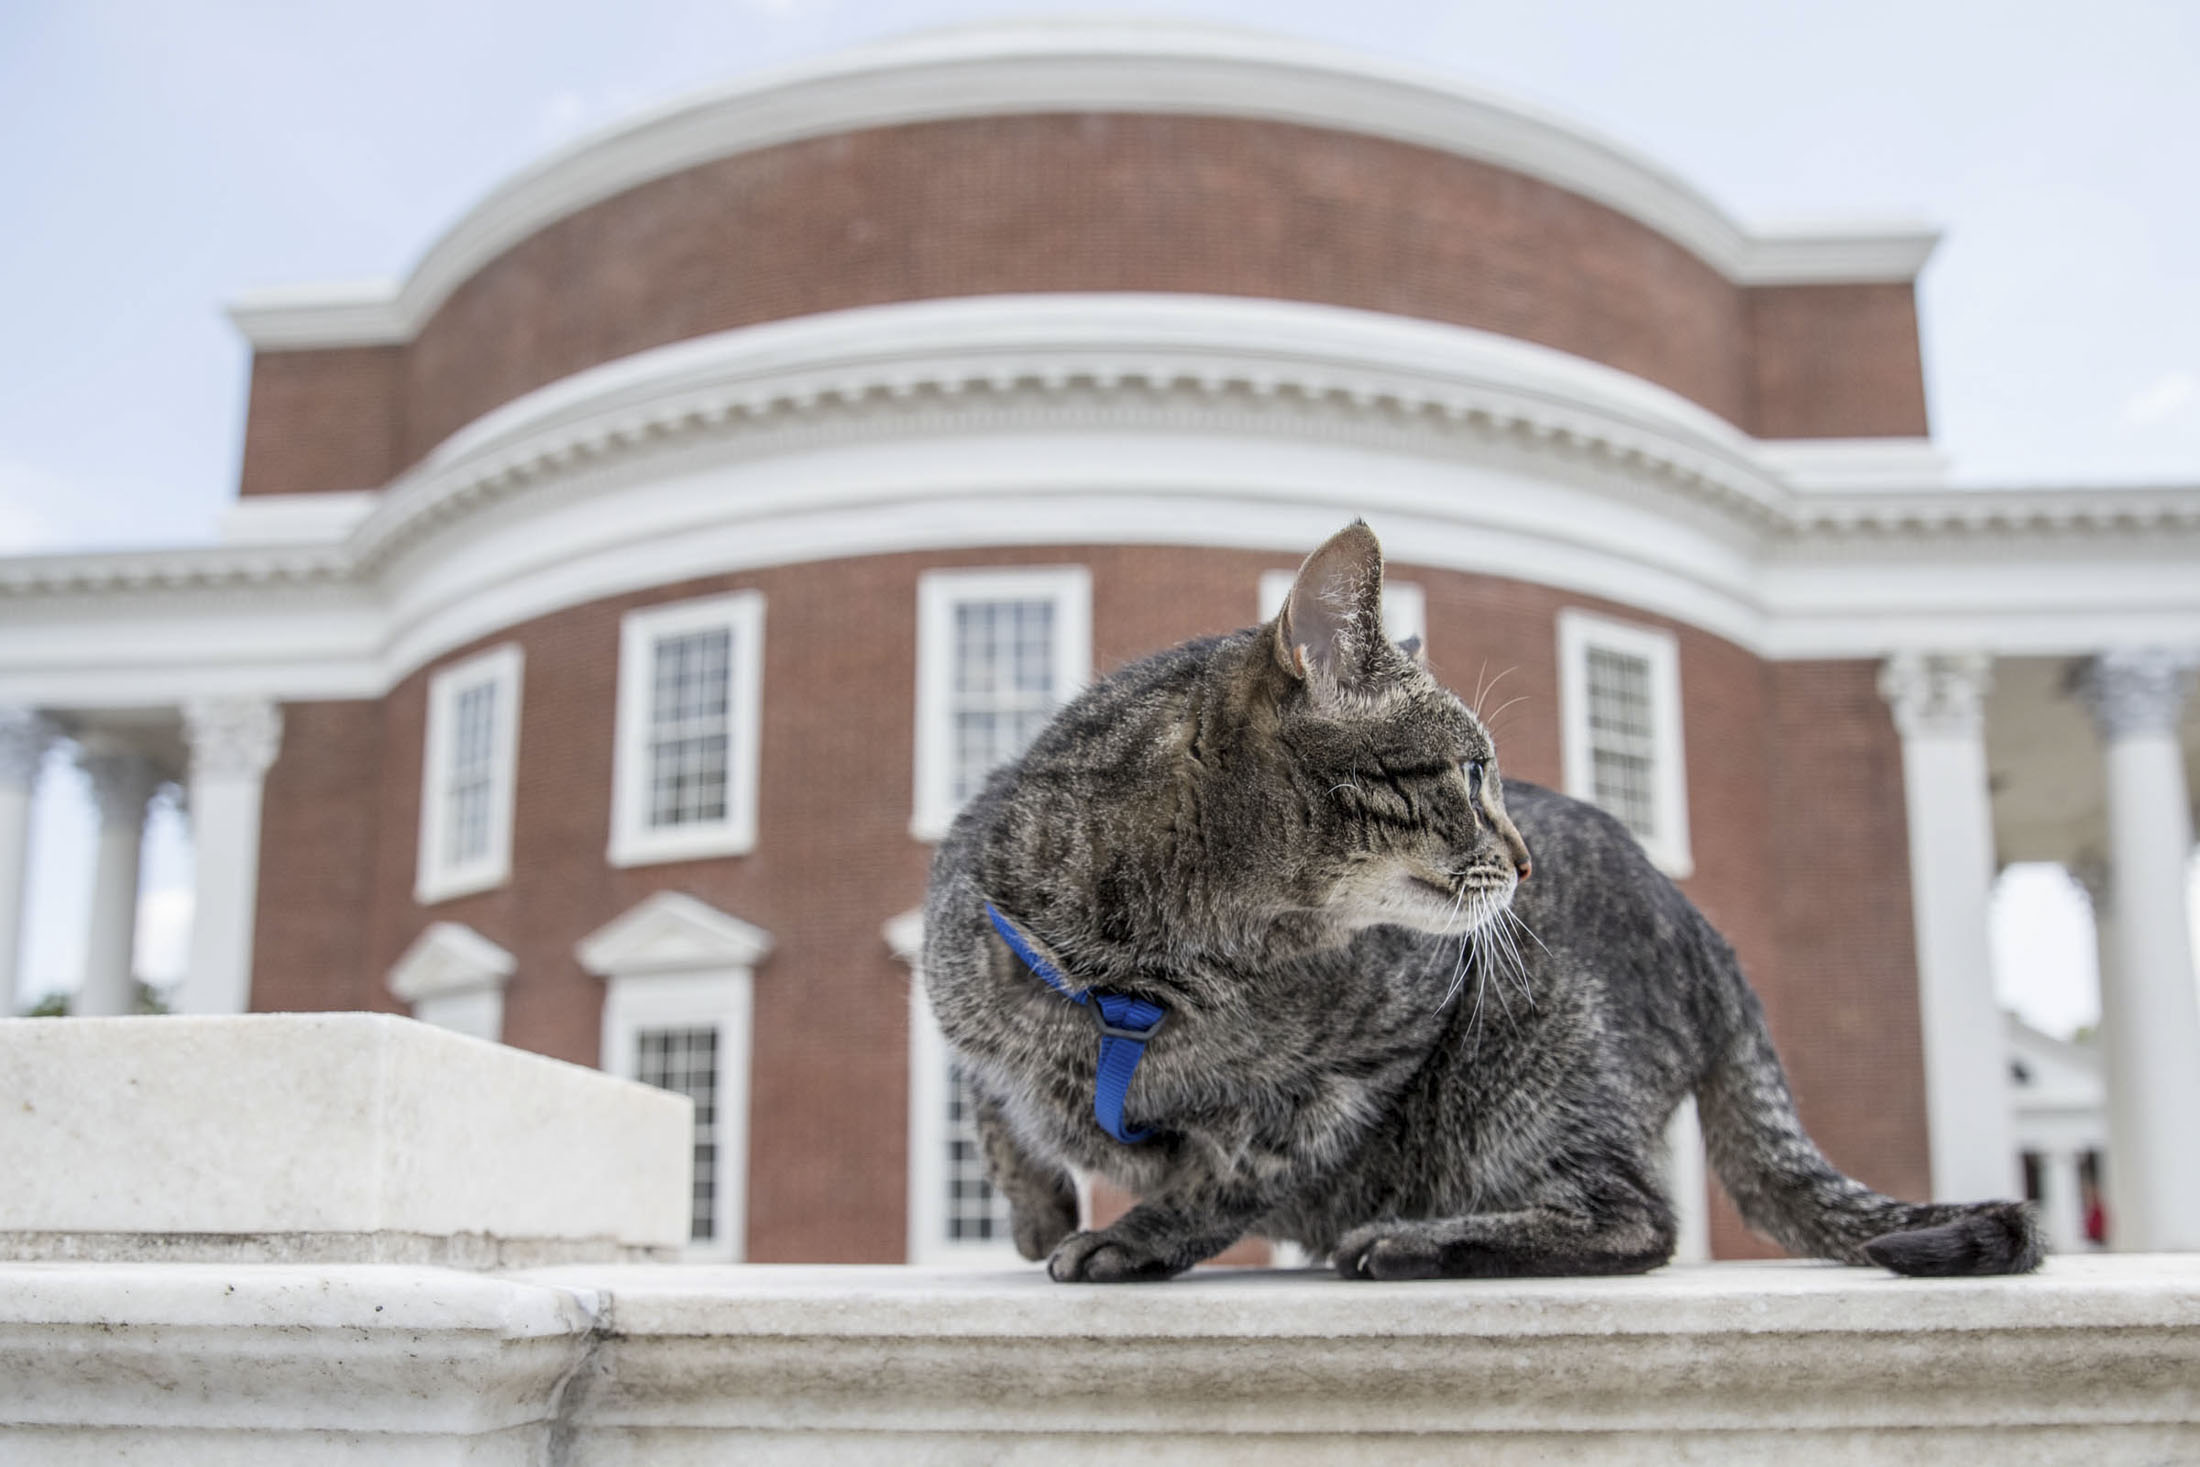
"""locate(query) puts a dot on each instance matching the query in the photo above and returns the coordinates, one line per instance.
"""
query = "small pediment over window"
(448, 958)
(672, 932)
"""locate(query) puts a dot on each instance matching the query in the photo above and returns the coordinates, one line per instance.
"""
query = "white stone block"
(326, 1137)
(226, 1365)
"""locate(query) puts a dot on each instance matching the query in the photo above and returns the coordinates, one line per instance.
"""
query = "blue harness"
(1127, 1025)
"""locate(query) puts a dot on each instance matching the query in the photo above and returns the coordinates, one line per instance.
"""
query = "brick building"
(615, 608)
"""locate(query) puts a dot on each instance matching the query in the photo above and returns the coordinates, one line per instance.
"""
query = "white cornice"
(197, 568)
(342, 313)
(296, 519)
(1077, 68)
(1108, 419)
(1131, 355)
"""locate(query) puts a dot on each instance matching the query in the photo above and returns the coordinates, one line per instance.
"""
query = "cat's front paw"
(1389, 1250)
(1106, 1258)
(1039, 1224)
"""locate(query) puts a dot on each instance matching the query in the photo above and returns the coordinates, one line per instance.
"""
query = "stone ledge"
(2097, 1359)
(326, 1138)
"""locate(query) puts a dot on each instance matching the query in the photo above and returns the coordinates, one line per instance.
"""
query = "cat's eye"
(1474, 770)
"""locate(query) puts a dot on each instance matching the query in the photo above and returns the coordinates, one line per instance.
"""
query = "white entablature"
(1098, 419)
(1072, 68)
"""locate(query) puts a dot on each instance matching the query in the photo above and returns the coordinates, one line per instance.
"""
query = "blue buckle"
(1111, 1031)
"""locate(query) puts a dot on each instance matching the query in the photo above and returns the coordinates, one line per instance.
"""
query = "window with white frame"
(1405, 609)
(684, 1059)
(684, 771)
(998, 652)
(678, 1014)
(1620, 701)
(469, 768)
(955, 1215)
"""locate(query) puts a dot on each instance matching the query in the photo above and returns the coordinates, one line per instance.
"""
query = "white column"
(2121, 1098)
(2062, 1205)
(1687, 1177)
(1938, 706)
(123, 784)
(2150, 1013)
(24, 738)
(233, 740)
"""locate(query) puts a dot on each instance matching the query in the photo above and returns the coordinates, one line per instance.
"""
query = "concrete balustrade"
(2096, 1360)
(223, 1240)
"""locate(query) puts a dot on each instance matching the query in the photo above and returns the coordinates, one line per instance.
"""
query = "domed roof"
(1068, 69)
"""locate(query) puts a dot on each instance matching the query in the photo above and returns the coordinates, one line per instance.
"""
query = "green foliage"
(55, 1005)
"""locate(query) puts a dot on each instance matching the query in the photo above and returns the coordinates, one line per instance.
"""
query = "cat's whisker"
(1519, 964)
(1481, 692)
(1500, 713)
(1516, 920)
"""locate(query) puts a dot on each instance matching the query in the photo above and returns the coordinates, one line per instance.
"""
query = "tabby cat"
(1383, 1041)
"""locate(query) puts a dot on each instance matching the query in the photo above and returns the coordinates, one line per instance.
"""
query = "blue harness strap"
(1126, 1026)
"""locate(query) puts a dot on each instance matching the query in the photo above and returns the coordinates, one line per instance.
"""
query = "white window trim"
(928, 1242)
(633, 842)
(722, 999)
(1405, 607)
(1069, 587)
(1578, 631)
(673, 962)
(434, 880)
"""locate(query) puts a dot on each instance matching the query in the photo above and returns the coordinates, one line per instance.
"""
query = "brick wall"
(323, 420)
(1090, 203)
(321, 810)
(1795, 801)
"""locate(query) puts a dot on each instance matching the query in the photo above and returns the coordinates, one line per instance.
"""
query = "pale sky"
(156, 158)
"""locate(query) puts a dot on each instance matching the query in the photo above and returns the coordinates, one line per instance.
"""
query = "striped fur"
(1384, 1044)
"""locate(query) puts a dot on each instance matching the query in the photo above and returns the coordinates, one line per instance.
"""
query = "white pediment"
(672, 932)
(449, 957)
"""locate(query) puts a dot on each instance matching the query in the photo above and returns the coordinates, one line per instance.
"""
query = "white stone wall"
(2095, 1360)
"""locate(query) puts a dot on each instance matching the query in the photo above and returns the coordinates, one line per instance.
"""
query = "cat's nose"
(1524, 868)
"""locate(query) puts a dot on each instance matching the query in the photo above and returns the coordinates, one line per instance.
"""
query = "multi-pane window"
(998, 652)
(1005, 684)
(473, 775)
(975, 1213)
(685, 1061)
(1622, 741)
(685, 768)
(1622, 730)
(678, 1014)
(955, 1215)
(688, 728)
(468, 771)
(1405, 609)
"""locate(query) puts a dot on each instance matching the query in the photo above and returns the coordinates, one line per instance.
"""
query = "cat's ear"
(1330, 633)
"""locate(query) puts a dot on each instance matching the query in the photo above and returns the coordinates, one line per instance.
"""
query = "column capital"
(123, 784)
(1937, 693)
(232, 737)
(2135, 690)
(25, 735)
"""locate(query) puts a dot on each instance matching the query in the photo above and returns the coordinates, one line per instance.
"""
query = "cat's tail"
(1787, 1190)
